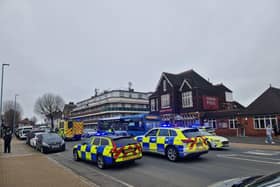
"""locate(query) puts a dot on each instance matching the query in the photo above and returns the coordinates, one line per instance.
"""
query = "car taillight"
(114, 148)
(187, 140)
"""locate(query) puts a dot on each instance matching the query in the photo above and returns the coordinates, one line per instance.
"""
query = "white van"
(23, 131)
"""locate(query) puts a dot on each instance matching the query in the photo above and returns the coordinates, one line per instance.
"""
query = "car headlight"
(45, 144)
(62, 142)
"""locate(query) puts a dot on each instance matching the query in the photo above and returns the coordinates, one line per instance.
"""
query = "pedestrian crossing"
(260, 156)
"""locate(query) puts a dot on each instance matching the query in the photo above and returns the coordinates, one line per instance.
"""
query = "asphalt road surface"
(155, 170)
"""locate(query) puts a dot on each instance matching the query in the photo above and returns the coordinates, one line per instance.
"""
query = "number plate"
(128, 150)
(55, 146)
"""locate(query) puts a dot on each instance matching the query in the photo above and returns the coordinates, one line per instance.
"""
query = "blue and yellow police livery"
(108, 150)
(174, 143)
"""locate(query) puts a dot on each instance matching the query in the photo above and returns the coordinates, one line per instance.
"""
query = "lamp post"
(15, 111)
(1, 98)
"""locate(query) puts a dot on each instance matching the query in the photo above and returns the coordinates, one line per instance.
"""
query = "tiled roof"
(266, 103)
(194, 79)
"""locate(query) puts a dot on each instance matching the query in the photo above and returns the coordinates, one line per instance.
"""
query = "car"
(214, 141)
(31, 135)
(22, 132)
(207, 129)
(174, 143)
(50, 142)
(88, 133)
(108, 150)
(270, 180)
(33, 141)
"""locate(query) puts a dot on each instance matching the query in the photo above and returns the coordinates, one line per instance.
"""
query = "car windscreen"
(206, 134)
(49, 138)
(120, 142)
(190, 133)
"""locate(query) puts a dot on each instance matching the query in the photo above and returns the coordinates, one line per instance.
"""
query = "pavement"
(26, 167)
(254, 142)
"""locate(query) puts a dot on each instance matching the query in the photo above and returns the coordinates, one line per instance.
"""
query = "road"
(154, 170)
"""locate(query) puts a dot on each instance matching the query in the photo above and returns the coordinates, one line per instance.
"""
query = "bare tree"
(49, 105)
(33, 120)
(11, 113)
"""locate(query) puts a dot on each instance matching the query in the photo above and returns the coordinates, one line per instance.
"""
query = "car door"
(162, 137)
(150, 141)
(95, 143)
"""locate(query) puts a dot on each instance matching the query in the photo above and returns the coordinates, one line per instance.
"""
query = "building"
(66, 113)
(110, 104)
(187, 98)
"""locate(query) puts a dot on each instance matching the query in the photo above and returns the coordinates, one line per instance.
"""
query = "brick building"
(187, 98)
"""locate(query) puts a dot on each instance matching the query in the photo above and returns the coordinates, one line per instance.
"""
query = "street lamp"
(1, 97)
(15, 111)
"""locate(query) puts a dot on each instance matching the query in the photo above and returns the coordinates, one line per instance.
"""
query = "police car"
(108, 150)
(214, 141)
(174, 143)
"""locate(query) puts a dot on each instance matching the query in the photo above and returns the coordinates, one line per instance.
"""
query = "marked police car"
(108, 150)
(174, 143)
(215, 142)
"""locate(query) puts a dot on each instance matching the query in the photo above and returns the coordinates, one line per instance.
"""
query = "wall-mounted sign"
(210, 103)
(166, 110)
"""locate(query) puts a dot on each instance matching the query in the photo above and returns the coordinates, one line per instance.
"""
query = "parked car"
(33, 141)
(270, 180)
(22, 132)
(174, 143)
(31, 135)
(214, 141)
(108, 150)
(50, 142)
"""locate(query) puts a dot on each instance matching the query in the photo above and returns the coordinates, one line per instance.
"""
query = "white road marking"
(246, 159)
(263, 153)
(265, 158)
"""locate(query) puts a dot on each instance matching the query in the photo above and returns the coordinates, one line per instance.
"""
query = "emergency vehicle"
(71, 130)
(174, 143)
(108, 150)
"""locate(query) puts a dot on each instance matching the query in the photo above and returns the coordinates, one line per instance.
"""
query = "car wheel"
(100, 162)
(171, 153)
(75, 155)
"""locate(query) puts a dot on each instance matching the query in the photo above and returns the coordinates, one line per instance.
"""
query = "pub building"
(187, 98)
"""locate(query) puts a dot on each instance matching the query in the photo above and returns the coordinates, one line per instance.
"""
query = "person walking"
(7, 139)
(269, 132)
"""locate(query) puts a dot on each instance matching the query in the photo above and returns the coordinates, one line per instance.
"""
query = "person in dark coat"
(7, 139)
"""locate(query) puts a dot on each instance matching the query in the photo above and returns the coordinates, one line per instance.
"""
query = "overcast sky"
(70, 47)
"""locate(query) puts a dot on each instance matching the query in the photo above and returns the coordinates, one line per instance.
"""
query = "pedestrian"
(7, 139)
(269, 132)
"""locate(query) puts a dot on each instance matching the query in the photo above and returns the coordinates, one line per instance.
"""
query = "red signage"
(210, 103)
(168, 110)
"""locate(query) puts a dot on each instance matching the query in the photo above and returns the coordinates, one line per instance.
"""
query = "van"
(22, 132)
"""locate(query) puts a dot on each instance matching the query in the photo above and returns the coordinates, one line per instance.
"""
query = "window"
(104, 142)
(213, 123)
(96, 141)
(164, 85)
(165, 101)
(152, 132)
(187, 100)
(163, 132)
(153, 105)
(232, 123)
(172, 133)
(262, 121)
